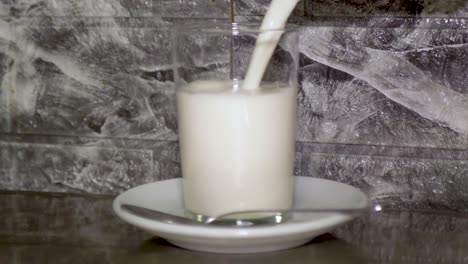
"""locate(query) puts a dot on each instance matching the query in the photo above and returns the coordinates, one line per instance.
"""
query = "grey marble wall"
(86, 98)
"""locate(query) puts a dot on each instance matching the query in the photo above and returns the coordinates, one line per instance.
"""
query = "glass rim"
(224, 28)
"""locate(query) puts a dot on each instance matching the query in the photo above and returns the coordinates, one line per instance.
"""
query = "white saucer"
(309, 193)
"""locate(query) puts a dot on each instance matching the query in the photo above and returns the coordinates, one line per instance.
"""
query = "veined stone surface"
(87, 95)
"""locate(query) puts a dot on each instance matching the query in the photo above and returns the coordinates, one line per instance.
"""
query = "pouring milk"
(275, 19)
(237, 147)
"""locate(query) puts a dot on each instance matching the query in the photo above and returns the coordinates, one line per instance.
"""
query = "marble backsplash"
(87, 97)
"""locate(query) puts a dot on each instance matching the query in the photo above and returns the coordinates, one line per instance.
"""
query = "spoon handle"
(159, 216)
(155, 215)
(354, 211)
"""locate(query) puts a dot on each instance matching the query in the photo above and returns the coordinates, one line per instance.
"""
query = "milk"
(237, 146)
(272, 25)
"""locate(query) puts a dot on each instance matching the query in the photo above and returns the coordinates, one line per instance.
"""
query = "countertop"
(59, 228)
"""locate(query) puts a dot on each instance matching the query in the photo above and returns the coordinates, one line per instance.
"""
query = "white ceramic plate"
(166, 196)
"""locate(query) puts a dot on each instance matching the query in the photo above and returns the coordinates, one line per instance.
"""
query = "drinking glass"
(236, 144)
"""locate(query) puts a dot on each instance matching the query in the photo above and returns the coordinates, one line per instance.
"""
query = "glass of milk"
(236, 142)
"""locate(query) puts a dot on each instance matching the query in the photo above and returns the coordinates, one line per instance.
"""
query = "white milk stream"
(237, 147)
(272, 25)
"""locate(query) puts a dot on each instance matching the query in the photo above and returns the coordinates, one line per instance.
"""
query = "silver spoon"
(222, 220)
